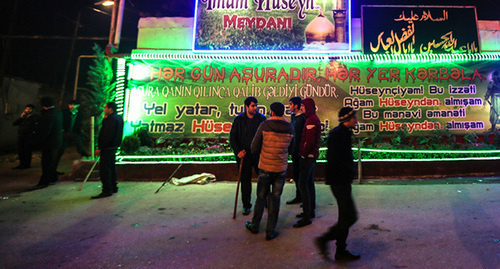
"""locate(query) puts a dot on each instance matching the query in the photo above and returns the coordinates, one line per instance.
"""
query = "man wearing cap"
(27, 124)
(273, 143)
(49, 138)
(340, 172)
(72, 130)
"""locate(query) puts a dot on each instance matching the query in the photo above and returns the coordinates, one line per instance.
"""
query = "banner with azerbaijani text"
(200, 98)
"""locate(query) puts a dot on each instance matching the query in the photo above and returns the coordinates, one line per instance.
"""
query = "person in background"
(273, 142)
(72, 131)
(494, 92)
(110, 138)
(49, 139)
(27, 123)
(339, 173)
(298, 120)
(243, 130)
(309, 152)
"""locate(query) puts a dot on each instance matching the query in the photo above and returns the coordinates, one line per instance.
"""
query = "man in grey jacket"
(273, 142)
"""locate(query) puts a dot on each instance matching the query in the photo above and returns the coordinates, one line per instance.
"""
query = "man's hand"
(242, 154)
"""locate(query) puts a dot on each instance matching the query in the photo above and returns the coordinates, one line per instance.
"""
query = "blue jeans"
(306, 186)
(269, 184)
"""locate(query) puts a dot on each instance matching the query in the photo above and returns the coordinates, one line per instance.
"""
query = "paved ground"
(447, 223)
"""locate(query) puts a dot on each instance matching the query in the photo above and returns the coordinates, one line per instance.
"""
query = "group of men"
(53, 130)
(264, 144)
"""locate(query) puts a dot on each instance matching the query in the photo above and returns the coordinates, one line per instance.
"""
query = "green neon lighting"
(301, 57)
(120, 85)
(188, 159)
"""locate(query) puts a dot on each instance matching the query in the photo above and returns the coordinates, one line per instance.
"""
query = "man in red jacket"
(309, 152)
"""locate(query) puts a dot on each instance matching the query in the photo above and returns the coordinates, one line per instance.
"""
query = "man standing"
(243, 130)
(72, 130)
(49, 138)
(298, 120)
(110, 138)
(25, 134)
(494, 92)
(339, 174)
(273, 141)
(309, 152)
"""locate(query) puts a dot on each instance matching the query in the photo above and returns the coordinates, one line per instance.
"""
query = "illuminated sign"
(272, 26)
(419, 30)
(200, 96)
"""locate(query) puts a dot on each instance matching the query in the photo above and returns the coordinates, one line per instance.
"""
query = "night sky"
(40, 31)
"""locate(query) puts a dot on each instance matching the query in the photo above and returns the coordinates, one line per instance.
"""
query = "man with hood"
(273, 142)
(340, 171)
(243, 130)
(309, 152)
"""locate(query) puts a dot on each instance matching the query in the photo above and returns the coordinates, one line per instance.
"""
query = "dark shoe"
(60, 173)
(294, 201)
(301, 215)
(301, 223)
(115, 190)
(273, 235)
(346, 256)
(321, 244)
(246, 211)
(101, 195)
(251, 227)
(17, 167)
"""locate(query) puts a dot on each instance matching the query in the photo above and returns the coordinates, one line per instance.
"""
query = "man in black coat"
(110, 138)
(49, 138)
(298, 120)
(243, 130)
(339, 174)
(27, 124)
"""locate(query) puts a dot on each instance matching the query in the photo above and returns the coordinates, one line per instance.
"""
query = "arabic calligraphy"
(407, 41)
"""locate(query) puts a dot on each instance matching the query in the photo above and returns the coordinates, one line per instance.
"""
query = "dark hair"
(249, 100)
(30, 105)
(296, 100)
(112, 105)
(278, 109)
(47, 101)
(73, 102)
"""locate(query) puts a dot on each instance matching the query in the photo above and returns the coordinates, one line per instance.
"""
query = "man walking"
(309, 152)
(243, 130)
(298, 120)
(25, 134)
(49, 138)
(110, 138)
(339, 174)
(273, 141)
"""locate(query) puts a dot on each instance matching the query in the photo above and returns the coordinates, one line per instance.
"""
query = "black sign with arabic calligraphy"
(419, 30)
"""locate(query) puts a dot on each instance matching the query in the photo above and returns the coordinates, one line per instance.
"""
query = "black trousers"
(49, 172)
(107, 170)
(250, 162)
(24, 150)
(296, 175)
(348, 215)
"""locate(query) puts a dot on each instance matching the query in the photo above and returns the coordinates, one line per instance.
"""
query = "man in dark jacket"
(243, 130)
(273, 141)
(110, 138)
(25, 134)
(298, 119)
(49, 138)
(72, 130)
(309, 152)
(339, 174)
